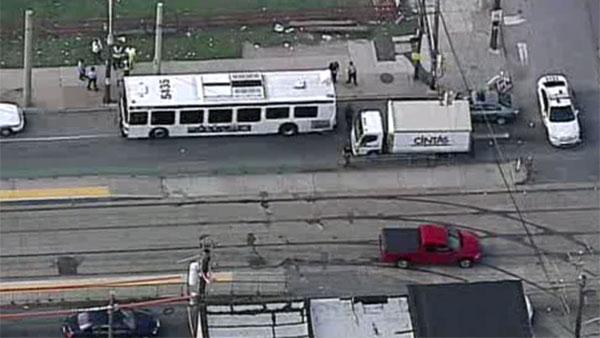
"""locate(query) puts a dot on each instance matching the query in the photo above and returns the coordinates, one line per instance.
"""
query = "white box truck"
(413, 126)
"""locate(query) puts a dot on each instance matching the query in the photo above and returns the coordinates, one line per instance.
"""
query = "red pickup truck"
(429, 244)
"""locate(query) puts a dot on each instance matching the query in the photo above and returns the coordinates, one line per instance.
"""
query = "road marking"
(53, 193)
(523, 54)
(56, 138)
(512, 20)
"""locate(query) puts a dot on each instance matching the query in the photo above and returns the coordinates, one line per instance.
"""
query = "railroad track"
(342, 252)
(182, 23)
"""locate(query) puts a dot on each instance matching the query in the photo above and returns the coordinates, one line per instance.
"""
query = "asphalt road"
(560, 37)
(318, 245)
(76, 144)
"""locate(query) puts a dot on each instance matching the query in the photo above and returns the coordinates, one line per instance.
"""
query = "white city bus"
(251, 103)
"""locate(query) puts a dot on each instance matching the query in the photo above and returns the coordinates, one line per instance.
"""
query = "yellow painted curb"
(53, 193)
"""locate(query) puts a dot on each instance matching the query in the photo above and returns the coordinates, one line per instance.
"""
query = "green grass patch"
(203, 45)
(12, 11)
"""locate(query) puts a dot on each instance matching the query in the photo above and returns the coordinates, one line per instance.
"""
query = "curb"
(104, 108)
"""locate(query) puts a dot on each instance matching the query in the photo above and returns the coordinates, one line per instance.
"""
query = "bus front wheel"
(288, 129)
(159, 133)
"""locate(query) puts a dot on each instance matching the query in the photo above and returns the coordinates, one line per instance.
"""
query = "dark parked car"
(496, 108)
(126, 323)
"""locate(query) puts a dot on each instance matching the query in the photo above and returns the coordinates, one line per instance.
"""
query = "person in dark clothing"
(334, 68)
(92, 79)
(81, 70)
(352, 73)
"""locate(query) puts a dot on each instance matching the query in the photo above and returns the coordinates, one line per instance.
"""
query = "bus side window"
(306, 111)
(248, 115)
(162, 117)
(278, 113)
(220, 115)
(191, 116)
(138, 118)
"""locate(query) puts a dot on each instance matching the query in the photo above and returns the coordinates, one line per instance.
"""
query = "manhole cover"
(67, 265)
(386, 78)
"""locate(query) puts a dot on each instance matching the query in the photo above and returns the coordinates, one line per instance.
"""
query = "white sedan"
(558, 112)
(11, 119)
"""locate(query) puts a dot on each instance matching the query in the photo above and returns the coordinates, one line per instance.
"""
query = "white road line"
(512, 20)
(57, 138)
(523, 54)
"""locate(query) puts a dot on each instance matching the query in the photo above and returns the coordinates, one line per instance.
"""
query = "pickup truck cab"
(429, 244)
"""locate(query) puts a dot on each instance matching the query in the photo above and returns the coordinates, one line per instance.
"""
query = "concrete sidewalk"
(56, 89)
(403, 181)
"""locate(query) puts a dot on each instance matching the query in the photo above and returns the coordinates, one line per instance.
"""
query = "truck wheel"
(288, 129)
(159, 133)
(5, 132)
(402, 264)
(465, 263)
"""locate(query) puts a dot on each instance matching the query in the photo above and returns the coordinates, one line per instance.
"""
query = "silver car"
(489, 105)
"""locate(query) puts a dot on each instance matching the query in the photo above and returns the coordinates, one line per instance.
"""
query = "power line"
(500, 155)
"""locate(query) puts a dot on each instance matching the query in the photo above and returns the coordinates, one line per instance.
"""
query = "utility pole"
(205, 268)
(27, 53)
(156, 63)
(435, 55)
(581, 283)
(110, 40)
(416, 54)
(111, 304)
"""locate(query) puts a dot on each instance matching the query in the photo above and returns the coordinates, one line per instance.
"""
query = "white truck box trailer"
(428, 126)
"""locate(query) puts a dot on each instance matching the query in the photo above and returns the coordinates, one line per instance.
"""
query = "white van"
(11, 119)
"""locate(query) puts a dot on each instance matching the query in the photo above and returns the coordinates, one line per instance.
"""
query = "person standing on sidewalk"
(130, 52)
(97, 51)
(81, 71)
(126, 67)
(352, 73)
(118, 56)
(92, 77)
(334, 68)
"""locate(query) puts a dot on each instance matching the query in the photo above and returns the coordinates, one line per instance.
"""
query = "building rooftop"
(361, 317)
(484, 309)
(264, 320)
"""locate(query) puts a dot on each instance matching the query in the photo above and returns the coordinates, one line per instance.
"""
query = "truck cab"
(367, 134)
(429, 244)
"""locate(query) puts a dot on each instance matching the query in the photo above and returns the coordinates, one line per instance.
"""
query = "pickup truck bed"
(395, 240)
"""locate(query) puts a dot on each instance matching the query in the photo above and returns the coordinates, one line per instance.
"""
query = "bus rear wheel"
(288, 129)
(159, 133)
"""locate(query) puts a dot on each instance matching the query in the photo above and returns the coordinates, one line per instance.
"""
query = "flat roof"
(483, 309)
(429, 115)
(220, 88)
(361, 317)
(259, 320)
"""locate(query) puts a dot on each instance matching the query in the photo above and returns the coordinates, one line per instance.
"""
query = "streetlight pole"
(109, 44)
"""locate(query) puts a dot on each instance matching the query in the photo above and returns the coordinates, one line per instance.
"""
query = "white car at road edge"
(11, 119)
(557, 110)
